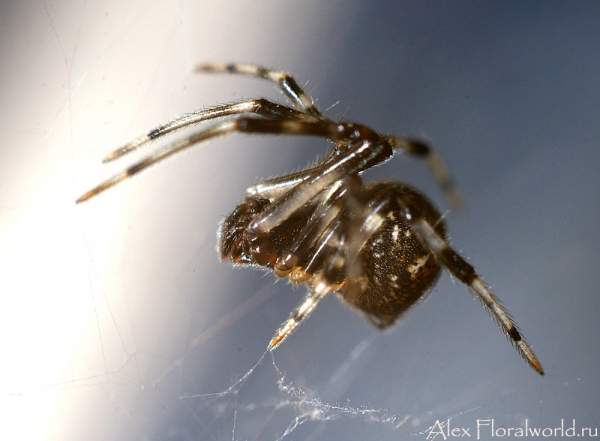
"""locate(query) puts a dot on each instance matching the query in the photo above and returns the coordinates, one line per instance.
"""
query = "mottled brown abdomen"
(397, 270)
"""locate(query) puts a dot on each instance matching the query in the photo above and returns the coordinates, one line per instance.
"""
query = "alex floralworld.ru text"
(486, 429)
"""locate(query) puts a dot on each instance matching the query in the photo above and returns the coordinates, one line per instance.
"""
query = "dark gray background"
(118, 312)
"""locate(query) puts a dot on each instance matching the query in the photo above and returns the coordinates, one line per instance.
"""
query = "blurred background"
(119, 322)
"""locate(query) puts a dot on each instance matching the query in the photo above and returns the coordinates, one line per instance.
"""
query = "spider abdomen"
(397, 269)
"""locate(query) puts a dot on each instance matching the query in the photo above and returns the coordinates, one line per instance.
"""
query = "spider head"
(270, 250)
(233, 241)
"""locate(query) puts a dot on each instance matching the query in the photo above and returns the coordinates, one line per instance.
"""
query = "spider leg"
(276, 187)
(370, 150)
(319, 284)
(302, 311)
(260, 107)
(298, 260)
(464, 272)
(299, 98)
(422, 150)
(333, 236)
(286, 83)
(365, 149)
(348, 242)
(341, 260)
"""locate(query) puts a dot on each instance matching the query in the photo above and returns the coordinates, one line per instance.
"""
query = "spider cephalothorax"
(380, 246)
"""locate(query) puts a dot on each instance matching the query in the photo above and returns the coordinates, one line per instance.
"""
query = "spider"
(379, 246)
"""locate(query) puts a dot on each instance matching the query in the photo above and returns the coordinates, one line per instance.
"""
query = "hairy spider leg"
(302, 100)
(464, 272)
(326, 241)
(269, 109)
(260, 107)
(421, 150)
(319, 285)
(369, 150)
(302, 311)
(276, 187)
(298, 259)
(286, 83)
(297, 96)
(366, 149)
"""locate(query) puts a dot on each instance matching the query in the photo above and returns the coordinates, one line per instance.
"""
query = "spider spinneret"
(379, 246)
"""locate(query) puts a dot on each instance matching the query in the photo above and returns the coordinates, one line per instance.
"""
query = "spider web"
(120, 323)
(297, 404)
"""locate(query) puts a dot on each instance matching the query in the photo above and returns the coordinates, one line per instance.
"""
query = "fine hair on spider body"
(379, 246)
